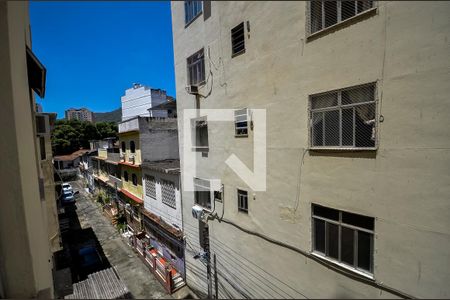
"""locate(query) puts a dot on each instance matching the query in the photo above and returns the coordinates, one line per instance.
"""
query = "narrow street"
(137, 277)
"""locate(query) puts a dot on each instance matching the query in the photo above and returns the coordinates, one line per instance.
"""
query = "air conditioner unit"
(197, 212)
(192, 89)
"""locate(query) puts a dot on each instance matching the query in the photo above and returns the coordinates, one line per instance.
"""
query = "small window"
(202, 192)
(324, 14)
(168, 193)
(201, 135)
(344, 118)
(150, 187)
(237, 40)
(242, 197)
(196, 68)
(241, 122)
(192, 9)
(343, 236)
(123, 147)
(134, 179)
(42, 147)
(132, 147)
(125, 176)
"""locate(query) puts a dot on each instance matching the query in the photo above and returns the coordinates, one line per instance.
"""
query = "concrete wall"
(138, 99)
(403, 46)
(159, 139)
(169, 214)
(128, 185)
(25, 258)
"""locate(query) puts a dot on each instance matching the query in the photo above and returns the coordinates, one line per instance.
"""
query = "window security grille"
(150, 187)
(201, 135)
(242, 200)
(241, 122)
(168, 193)
(344, 237)
(237, 40)
(202, 192)
(344, 119)
(191, 10)
(196, 68)
(323, 14)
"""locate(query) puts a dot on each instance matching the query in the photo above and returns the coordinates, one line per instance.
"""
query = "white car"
(67, 187)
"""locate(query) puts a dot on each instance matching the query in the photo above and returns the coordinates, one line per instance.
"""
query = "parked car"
(69, 196)
(67, 187)
(90, 259)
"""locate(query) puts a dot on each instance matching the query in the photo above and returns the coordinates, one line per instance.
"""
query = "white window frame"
(339, 107)
(193, 17)
(238, 113)
(195, 145)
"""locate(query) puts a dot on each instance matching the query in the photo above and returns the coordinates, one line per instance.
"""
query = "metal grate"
(168, 193)
(237, 40)
(196, 68)
(324, 14)
(150, 187)
(344, 118)
(242, 200)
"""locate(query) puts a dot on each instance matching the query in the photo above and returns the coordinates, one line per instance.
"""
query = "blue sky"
(94, 51)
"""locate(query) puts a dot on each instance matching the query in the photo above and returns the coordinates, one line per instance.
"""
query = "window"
(125, 176)
(202, 192)
(196, 68)
(241, 122)
(201, 135)
(150, 187)
(134, 179)
(42, 147)
(242, 197)
(168, 193)
(323, 14)
(237, 40)
(191, 10)
(344, 118)
(344, 237)
(123, 147)
(132, 147)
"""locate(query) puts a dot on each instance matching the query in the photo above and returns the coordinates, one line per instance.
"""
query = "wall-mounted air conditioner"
(192, 89)
(197, 212)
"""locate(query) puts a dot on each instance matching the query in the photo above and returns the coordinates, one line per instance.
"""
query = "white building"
(138, 99)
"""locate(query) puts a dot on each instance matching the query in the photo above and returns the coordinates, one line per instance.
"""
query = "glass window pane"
(325, 100)
(332, 240)
(365, 125)
(347, 245)
(331, 128)
(317, 129)
(364, 250)
(347, 127)
(348, 9)
(330, 8)
(359, 95)
(316, 16)
(358, 220)
(326, 212)
(319, 235)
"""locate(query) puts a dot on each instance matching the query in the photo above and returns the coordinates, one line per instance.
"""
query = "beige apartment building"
(81, 114)
(357, 107)
(27, 218)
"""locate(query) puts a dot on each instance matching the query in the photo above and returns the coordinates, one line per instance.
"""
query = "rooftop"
(170, 166)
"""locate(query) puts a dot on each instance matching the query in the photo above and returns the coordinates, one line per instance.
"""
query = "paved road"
(137, 277)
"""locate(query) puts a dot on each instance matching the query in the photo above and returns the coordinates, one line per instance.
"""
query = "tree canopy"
(70, 136)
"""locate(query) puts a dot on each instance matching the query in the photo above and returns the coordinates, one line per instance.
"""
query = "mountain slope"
(112, 116)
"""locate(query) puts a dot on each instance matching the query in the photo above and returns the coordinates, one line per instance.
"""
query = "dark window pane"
(348, 9)
(332, 240)
(319, 235)
(364, 5)
(330, 8)
(365, 125)
(123, 147)
(364, 251)
(347, 127)
(347, 245)
(325, 100)
(316, 16)
(358, 220)
(317, 129)
(331, 128)
(326, 212)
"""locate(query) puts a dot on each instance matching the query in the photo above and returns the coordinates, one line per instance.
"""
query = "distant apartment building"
(139, 99)
(357, 147)
(81, 114)
(29, 230)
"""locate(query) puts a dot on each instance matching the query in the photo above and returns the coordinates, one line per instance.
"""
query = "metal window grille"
(238, 40)
(344, 119)
(242, 200)
(196, 68)
(202, 192)
(201, 134)
(324, 14)
(241, 122)
(168, 193)
(150, 187)
(344, 237)
(191, 10)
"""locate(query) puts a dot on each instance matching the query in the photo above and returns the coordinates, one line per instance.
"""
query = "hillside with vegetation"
(111, 116)
(70, 136)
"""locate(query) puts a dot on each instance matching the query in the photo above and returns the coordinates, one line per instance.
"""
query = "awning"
(131, 196)
(36, 73)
